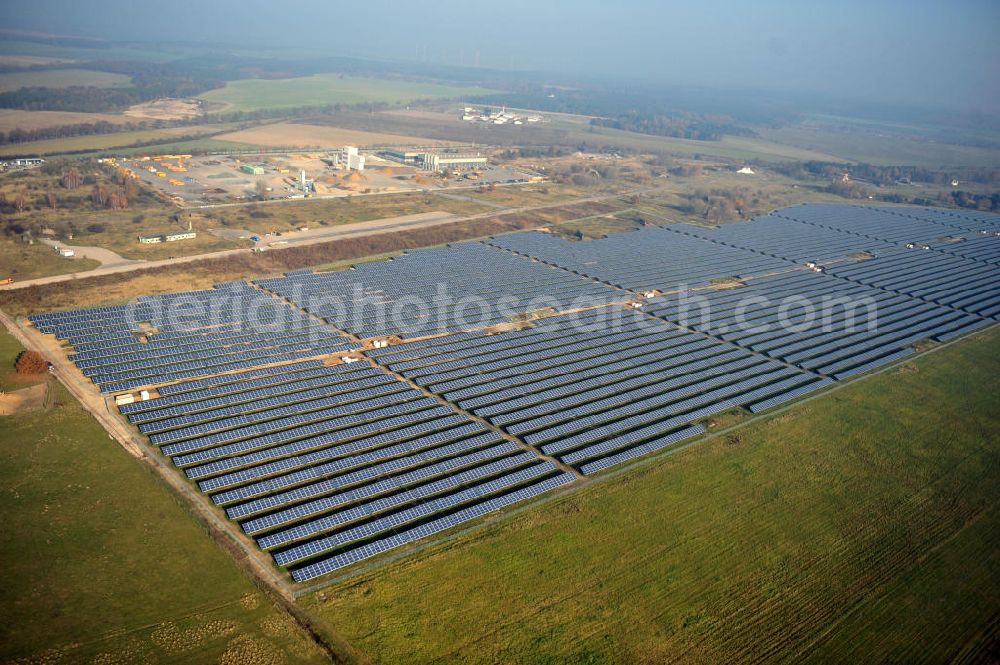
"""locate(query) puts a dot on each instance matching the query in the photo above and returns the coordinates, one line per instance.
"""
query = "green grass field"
(9, 379)
(164, 140)
(139, 52)
(729, 147)
(21, 261)
(865, 144)
(253, 94)
(859, 526)
(61, 78)
(526, 195)
(288, 215)
(102, 563)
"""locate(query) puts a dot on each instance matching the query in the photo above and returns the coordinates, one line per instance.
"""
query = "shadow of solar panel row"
(319, 401)
(168, 356)
(277, 536)
(587, 393)
(644, 260)
(195, 385)
(379, 545)
(462, 286)
(231, 327)
(976, 247)
(319, 467)
(894, 225)
(970, 238)
(971, 286)
(292, 379)
(602, 318)
(814, 321)
(966, 220)
(378, 478)
(419, 512)
(643, 449)
(253, 400)
(250, 438)
(787, 239)
(132, 379)
(196, 343)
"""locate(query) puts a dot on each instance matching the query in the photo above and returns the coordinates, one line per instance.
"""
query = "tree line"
(887, 175)
(18, 135)
(680, 125)
(149, 81)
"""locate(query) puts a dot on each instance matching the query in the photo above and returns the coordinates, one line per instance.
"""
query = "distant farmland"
(254, 94)
(61, 78)
(28, 120)
(290, 134)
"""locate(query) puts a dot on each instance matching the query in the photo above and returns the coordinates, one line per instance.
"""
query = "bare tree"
(71, 179)
(99, 195)
(118, 200)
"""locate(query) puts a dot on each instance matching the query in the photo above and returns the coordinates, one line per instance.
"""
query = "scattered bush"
(30, 362)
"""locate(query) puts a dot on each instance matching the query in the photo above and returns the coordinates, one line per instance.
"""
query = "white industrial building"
(432, 161)
(347, 158)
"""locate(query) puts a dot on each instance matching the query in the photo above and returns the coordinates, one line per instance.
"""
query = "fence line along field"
(322, 89)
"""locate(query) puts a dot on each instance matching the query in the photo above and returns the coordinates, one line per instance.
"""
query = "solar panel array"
(322, 465)
(459, 287)
(889, 224)
(591, 389)
(644, 260)
(816, 322)
(325, 466)
(968, 220)
(182, 335)
(787, 239)
(936, 277)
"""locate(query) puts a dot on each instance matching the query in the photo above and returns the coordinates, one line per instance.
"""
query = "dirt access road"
(106, 257)
(313, 236)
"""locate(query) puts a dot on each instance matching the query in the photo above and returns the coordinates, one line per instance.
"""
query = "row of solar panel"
(401, 537)
(581, 394)
(814, 321)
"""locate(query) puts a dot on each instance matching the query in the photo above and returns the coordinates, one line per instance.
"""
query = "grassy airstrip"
(253, 94)
(861, 525)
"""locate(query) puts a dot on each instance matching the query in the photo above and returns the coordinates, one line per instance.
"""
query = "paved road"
(293, 239)
(313, 236)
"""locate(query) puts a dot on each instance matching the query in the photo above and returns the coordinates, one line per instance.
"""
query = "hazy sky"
(940, 52)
